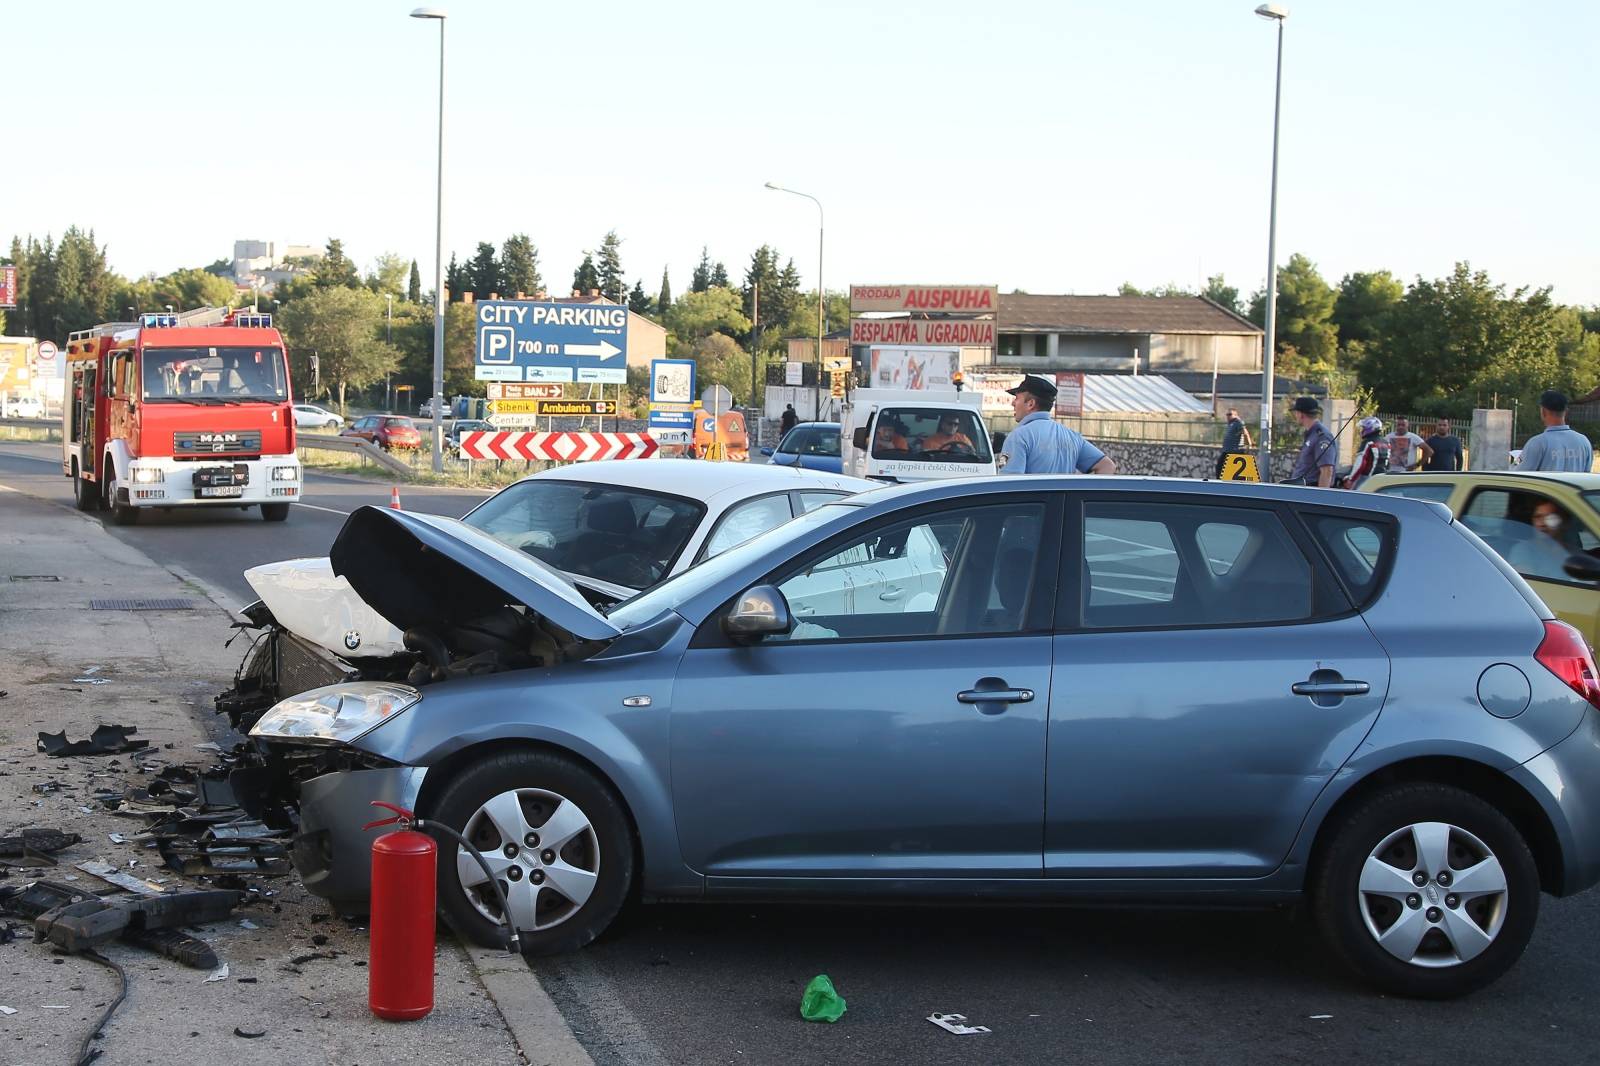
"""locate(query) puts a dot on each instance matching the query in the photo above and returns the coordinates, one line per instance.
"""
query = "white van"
(915, 435)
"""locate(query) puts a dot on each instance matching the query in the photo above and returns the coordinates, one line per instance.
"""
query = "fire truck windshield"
(214, 375)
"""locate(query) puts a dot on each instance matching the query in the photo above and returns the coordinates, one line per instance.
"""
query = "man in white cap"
(1040, 444)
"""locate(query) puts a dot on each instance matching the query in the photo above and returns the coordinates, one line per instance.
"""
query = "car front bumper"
(332, 853)
(175, 486)
(1565, 780)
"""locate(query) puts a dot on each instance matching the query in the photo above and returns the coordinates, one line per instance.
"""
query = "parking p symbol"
(496, 344)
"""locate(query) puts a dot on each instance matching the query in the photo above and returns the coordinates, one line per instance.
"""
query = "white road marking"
(314, 507)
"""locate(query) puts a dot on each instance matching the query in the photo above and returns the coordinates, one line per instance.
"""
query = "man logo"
(352, 639)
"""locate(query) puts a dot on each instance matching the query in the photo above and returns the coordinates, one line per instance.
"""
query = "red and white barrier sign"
(558, 447)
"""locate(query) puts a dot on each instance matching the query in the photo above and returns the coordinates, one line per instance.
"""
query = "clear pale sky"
(1051, 146)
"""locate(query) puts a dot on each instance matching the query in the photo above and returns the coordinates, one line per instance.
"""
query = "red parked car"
(386, 431)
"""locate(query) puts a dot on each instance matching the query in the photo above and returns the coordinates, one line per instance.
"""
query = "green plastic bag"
(821, 1003)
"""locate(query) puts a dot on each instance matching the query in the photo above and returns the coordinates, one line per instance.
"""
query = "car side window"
(810, 501)
(976, 571)
(1359, 547)
(1166, 565)
(1435, 492)
(745, 521)
(1533, 532)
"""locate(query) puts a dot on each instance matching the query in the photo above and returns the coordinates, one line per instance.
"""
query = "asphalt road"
(218, 544)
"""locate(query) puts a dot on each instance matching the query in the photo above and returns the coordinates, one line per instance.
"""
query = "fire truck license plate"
(222, 490)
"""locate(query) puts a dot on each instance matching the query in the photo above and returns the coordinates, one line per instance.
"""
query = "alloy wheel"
(1433, 895)
(542, 849)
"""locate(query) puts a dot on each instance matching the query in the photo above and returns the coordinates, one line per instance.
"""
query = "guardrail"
(51, 426)
(353, 446)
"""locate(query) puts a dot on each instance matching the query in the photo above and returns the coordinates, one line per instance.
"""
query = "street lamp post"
(1275, 13)
(438, 260)
(822, 294)
(388, 338)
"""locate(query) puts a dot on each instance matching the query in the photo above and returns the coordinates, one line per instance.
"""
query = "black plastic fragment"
(105, 740)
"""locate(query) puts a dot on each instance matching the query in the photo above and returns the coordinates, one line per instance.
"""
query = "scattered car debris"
(301, 960)
(110, 874)
(46, 787)
(1320, 1017)
(37, 840)
(78, 921)
(219, 974)
(116, 838)
(105, 740)
(246, 923)
(248, 1034)
(957, 1024)
(821, 1002)
(3, 1008)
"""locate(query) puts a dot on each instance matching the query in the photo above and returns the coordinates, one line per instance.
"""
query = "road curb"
(535, 1023)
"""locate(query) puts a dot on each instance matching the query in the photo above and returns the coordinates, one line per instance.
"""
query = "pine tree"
(519, 266)
(336, 268)
(414, 289)
(613, 285)
(664, 301)
(586, 277)
(719, 277)
(456, 280)
(484, 272)
(702, 273)
(638, 302)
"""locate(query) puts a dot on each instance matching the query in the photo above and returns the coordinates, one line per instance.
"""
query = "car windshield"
(930, 433)
(683, 586)
(611, 533)
(811, 440)
(214, 375)
(399, 423)
(1593, 500)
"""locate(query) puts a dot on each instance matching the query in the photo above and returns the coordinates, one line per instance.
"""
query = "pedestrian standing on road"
(1444, 448)
(1040, 444)
(1407, 450)
(1559, 447)
(1373, 458)
(1235, 439)
(788, 421)
(1319, 454)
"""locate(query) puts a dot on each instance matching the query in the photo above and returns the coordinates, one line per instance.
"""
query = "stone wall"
(1176, 460)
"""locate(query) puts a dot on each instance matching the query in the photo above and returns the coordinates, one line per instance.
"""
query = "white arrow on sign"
(605, 349)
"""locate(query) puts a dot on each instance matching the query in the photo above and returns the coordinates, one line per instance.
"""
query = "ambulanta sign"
(522, 340)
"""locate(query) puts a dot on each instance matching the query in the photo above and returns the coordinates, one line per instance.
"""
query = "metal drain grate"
(34, 577)
(142, 605)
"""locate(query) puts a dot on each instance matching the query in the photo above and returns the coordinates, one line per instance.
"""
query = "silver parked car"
(1121, 689)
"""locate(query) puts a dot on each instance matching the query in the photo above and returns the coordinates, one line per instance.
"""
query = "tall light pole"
(388, 337)
(822, 294)
(1275, 13)
(438, 261)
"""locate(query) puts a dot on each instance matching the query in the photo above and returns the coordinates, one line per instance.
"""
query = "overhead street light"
(438, 260)
(1273, 13)
(822, 294)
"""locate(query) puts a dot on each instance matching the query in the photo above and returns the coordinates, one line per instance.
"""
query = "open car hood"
(420, 570)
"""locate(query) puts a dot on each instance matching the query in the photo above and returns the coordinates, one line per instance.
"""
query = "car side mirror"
(1582, 568)
(758, 612)
(859, 438)
(766, 451)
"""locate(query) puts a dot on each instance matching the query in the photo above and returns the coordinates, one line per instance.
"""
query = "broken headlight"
(337, 714)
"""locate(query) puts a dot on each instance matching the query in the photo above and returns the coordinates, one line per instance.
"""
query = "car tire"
(274, 512)
(121, 513)
(331, 423)
(85, 494)
(1442, 950)
(598, 860)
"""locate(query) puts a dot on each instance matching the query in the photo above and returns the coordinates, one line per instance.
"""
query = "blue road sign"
(521, 340)
(671, 419)
(672, 381)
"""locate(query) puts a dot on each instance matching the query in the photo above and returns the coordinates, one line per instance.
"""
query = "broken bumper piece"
(332, 854)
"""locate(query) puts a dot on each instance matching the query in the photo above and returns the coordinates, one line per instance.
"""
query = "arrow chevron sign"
(558, 447)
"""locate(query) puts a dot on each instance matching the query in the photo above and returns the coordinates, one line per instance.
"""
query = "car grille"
(206, 443)
(303, 666)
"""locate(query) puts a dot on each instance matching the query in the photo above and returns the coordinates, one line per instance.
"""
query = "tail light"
(1565, 653)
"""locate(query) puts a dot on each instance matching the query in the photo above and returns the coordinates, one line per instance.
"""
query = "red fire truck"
(180, 410)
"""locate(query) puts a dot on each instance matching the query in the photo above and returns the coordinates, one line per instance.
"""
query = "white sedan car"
(613, 528)
(310, 416)
(22, 407)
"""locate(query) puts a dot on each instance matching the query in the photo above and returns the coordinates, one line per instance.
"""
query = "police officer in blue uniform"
(1040, 444)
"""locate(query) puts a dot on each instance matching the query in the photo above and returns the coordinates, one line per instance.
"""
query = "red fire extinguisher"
(400, 970)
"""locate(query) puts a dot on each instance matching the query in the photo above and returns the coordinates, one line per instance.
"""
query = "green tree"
(719, 277)
(335, 268)
(613, 286)
(1307, 339)
(1219, 292)
(697, 315)
(190, 288)
(778, 296)
(701, 280)
(343, 327)
(638, 302)
(457, 279)
(388, 274)
(519, 266)
(586, 277)
(664, 301)
(222, 268)
(1363, 304)
(1577, 353)
(720, 361)
(414, 286)
(483, 273)
(1462, 341)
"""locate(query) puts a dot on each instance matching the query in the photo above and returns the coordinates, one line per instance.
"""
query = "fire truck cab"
(180, 410)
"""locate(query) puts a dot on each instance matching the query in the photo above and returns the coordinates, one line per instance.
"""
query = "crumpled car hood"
(310, 601)
(420, 570)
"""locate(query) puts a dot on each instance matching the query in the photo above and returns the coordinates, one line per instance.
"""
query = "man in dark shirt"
(1236, 438)
(1446, 448)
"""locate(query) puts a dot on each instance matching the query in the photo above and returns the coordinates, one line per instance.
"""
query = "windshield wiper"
(205, 401)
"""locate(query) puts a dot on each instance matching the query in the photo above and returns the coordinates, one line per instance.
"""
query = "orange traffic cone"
(394, 498)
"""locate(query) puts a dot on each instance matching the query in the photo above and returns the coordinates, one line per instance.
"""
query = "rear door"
(1536, 532)
(1211, 675)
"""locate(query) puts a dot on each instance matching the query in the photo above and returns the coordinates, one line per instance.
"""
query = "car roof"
(1583, 482)
(699, 479)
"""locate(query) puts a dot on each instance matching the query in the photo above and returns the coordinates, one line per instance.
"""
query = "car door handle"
(894, 592)
(995, 695)
(1330, 688)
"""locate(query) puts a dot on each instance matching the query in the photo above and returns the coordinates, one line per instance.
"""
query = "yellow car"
(1546, 525)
